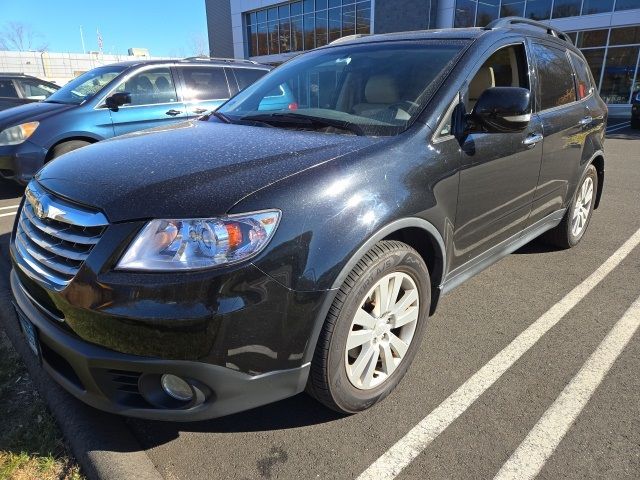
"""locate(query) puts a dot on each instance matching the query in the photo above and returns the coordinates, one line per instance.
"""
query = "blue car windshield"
(375, 89)
(86, 85)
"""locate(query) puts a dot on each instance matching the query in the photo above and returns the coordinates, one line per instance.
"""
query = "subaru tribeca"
(224, 263)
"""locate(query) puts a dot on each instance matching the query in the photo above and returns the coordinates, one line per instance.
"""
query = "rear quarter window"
(584, 81)
(555, 76)
(246, 76)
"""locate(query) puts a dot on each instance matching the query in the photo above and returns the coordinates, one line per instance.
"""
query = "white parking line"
(543, 439)
(619, 126)
(9, 207)
(7, 214)
(394, 460)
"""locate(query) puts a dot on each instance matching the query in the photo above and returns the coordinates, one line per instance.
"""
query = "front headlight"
(198, 243)
(18, 134)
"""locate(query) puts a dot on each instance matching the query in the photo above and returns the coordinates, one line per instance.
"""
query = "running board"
(473, 267)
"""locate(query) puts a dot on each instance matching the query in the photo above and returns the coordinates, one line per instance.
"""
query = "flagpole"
(82, 40)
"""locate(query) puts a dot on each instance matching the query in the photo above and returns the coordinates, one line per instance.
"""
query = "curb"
(101, 443)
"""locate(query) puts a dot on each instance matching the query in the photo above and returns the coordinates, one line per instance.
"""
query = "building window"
(612, 56)
(538, 9)
(589, 7)
(305, 24)
(469, 13)
(627, 4)
(566, 8)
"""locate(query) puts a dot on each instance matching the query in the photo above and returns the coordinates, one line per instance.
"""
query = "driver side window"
(150, 87)
(506, 67)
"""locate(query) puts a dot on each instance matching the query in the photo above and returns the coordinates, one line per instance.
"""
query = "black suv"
(18, 89)
(224, 263)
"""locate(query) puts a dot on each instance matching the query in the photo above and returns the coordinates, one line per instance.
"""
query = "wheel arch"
(82, 138)
(418, 233)
(598, 162)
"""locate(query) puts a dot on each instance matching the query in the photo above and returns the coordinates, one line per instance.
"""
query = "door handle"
(198, 111)
(532, 139)
(173, 112)
(586, 121)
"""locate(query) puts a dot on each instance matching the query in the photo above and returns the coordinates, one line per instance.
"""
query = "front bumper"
(129, 384)
(21, 162)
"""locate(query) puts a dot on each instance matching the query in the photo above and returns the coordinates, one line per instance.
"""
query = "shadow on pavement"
(10, 189)
(298, 411)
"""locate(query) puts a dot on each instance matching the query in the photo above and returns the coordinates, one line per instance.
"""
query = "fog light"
(176, 387)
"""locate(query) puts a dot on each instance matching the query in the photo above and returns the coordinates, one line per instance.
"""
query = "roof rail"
(220, 59)
(346, 38)
(507, 21)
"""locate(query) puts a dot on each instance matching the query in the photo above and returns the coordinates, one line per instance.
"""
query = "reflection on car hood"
(195, 169)
(30, 112)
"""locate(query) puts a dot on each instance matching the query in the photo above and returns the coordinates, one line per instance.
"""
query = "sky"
(165, 27)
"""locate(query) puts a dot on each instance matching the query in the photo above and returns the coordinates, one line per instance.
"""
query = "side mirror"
(503, 109)
(117, 100)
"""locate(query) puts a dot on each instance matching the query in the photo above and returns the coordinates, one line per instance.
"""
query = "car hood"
(30, 112)
(193, 169)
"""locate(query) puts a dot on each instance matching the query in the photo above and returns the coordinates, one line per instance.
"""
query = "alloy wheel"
(582, 207)
(382, 330)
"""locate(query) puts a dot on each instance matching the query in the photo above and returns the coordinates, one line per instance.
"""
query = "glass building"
(271, 31)
(613, 53)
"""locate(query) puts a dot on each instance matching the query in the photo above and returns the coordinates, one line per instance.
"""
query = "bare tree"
(198, 45)
(21, 37)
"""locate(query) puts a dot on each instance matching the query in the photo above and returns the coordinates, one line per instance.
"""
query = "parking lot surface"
(529, 368)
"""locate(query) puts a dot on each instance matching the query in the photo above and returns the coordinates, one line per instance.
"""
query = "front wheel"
(577, 217)
(373, 330)
(66, 147)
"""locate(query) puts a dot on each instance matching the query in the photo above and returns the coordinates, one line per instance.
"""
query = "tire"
(333, 379)
(564, 235)
(635, 123)
(66, 147)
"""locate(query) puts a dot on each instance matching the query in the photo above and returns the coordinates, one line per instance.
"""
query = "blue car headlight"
(17, 134)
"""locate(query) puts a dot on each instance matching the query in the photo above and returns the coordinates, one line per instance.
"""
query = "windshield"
(86, 85)
(372, 89)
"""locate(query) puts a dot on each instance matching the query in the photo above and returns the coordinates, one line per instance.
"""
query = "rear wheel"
(577, 217)
(66, 147)
(373, 330)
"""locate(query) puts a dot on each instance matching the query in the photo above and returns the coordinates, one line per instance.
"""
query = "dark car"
(113, 100)
(635, 109)
(225, 263)
(19, 89)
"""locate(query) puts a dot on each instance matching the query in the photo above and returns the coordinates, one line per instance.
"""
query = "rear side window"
(583, 77)
(205, 83)
(36, 90)
(7, 89)
(555, 77)
(246, 76)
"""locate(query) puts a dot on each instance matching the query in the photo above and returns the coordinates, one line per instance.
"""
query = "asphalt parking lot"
(529, 368)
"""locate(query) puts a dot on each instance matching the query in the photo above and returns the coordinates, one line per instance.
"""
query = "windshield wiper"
(302, 119)
(218, 115)
(58, 101)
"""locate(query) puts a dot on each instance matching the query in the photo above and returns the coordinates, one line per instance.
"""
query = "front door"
(154, 101)
(499, 171)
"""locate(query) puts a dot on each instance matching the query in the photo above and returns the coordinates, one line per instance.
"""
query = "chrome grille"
(54, 237)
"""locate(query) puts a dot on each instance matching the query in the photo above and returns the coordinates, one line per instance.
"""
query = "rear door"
(154, 101)
(204, 88)
(564, 122)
